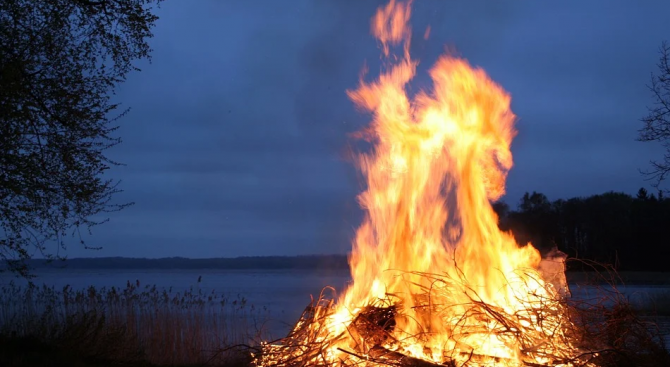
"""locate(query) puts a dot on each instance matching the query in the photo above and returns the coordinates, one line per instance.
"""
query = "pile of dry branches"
(545, 331)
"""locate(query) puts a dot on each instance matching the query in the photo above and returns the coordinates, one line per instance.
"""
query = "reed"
(133, 324)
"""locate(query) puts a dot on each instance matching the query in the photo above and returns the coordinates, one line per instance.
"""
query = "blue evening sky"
(235, 142)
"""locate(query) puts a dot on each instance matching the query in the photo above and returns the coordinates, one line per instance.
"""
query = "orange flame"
(437, 162)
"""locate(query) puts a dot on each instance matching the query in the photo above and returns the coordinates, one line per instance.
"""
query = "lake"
(285, 293)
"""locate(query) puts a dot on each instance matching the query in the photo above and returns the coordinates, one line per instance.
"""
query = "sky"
(235, 143)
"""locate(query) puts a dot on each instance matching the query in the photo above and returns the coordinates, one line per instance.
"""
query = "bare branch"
(656, 124)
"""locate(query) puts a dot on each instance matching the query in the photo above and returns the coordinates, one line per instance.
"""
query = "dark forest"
(628, 232)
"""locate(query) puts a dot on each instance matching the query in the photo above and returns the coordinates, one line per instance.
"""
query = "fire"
(434, 279)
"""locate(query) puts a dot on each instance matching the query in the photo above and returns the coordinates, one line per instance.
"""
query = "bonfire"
(435, 281)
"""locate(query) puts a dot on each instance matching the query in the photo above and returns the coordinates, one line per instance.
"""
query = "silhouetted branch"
(657, 122)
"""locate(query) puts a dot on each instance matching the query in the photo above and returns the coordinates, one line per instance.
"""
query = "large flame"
(438, 161)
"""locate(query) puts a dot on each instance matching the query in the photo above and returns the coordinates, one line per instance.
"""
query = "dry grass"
(132, 325)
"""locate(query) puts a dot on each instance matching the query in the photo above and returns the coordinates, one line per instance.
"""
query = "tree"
(657, 122)
(642, 194)
(534, 203)
(60, 61)
(535, 213)
(501, 209)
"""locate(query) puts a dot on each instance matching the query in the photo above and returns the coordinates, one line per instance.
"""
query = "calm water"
(285, 293)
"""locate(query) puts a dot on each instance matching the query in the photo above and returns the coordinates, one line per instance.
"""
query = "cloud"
(236, 139)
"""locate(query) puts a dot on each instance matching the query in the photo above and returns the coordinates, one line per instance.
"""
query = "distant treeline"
(325, 262)
(631, 233)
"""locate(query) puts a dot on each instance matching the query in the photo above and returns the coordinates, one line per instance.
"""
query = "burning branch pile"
(435, 281)
(541, 333)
